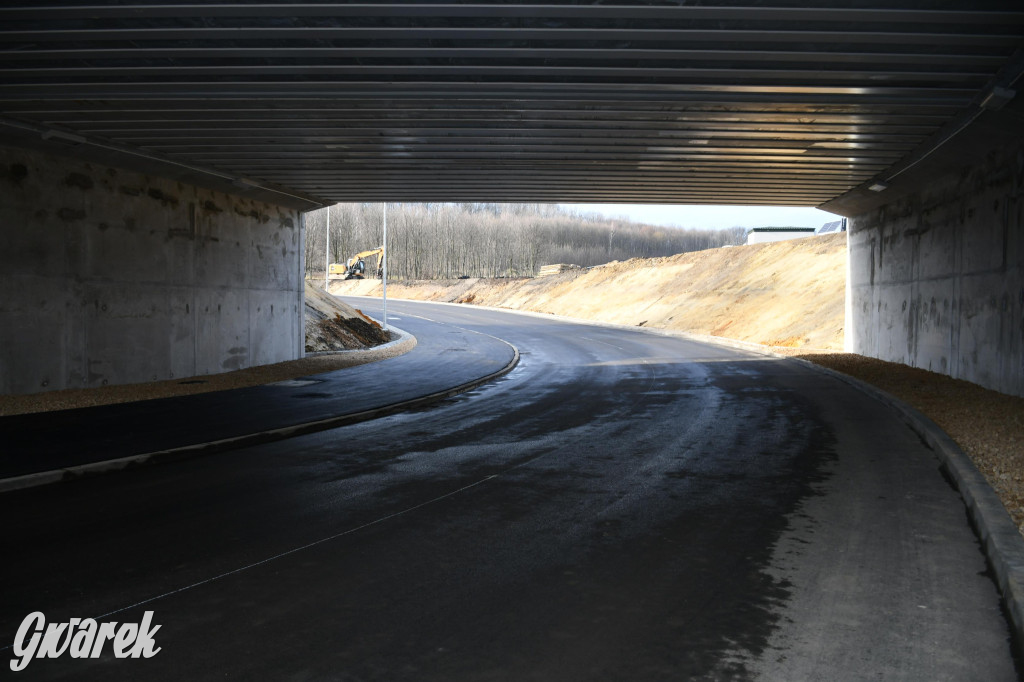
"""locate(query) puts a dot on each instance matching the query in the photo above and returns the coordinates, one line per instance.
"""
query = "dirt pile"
(787, 294)
(334, 325)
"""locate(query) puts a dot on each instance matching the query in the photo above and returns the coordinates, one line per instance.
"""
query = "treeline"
(431, 241)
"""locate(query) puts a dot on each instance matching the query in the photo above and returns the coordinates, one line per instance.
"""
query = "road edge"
(1000, 540)
(258, 438)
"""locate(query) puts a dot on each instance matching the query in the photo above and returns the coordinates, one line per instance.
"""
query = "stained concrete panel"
(222, 330)
(221, 261)
(267, 313)
(862, 310)
(983, 249)
(180, 332)
(32, 311)
(42, 247)
(937, 278)
(894, 312)
(116, 277)
(27, 348)
(894, 251)
(984, 311)
(860, 257)
(936, 244)
(273, 246)
(124, 330)
(933, 343)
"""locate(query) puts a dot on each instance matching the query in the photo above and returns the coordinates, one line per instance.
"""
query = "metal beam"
(943, 56)
(527, 11)
(355, 70)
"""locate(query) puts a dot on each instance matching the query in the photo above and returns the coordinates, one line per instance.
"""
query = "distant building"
(834, 226)
(760, 235)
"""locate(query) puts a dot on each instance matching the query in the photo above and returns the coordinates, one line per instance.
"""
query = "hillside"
(779, 294)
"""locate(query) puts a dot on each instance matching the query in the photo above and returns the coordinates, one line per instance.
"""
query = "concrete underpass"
(198, 135)
(156, 162)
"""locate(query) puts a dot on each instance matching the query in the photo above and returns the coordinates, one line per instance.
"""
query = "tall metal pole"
(327, 252)
(384, 266)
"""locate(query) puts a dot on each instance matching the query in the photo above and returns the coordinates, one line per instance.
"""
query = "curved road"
(622, 506)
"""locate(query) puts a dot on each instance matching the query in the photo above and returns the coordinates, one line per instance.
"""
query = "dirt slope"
(334, 325)
(780, 294)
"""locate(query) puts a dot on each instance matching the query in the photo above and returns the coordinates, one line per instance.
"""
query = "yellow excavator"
(355, 267)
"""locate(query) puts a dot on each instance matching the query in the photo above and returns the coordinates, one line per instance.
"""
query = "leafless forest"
(429, 241)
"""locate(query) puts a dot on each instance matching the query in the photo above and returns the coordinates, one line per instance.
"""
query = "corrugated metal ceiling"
(698, 102)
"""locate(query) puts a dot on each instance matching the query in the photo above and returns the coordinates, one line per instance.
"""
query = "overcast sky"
(716, 217)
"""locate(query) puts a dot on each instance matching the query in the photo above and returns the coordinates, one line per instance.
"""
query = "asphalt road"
(49, 441)
(622, 506)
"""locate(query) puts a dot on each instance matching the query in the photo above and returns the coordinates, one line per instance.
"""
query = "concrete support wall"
(110, 277)
(936, 278)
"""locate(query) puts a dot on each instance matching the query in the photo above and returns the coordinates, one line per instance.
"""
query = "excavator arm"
(364, 254)
(351, 269)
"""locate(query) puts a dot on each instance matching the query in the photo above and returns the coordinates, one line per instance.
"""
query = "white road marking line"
(294, 550)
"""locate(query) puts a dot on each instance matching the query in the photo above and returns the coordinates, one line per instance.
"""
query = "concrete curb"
(1001, 542)
(268, 436)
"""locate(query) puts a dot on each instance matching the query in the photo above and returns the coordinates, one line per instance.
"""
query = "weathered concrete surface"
(112, 277)
(936, 278)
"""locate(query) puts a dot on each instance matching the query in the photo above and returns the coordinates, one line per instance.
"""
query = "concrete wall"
(936, 280)
(109, 277)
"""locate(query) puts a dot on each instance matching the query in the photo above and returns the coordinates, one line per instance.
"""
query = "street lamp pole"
(327, 252)
(384, 266)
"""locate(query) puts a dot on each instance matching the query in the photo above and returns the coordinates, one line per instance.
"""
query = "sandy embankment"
(789, 294)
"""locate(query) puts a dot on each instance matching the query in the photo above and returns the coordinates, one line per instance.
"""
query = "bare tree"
(492, 240)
